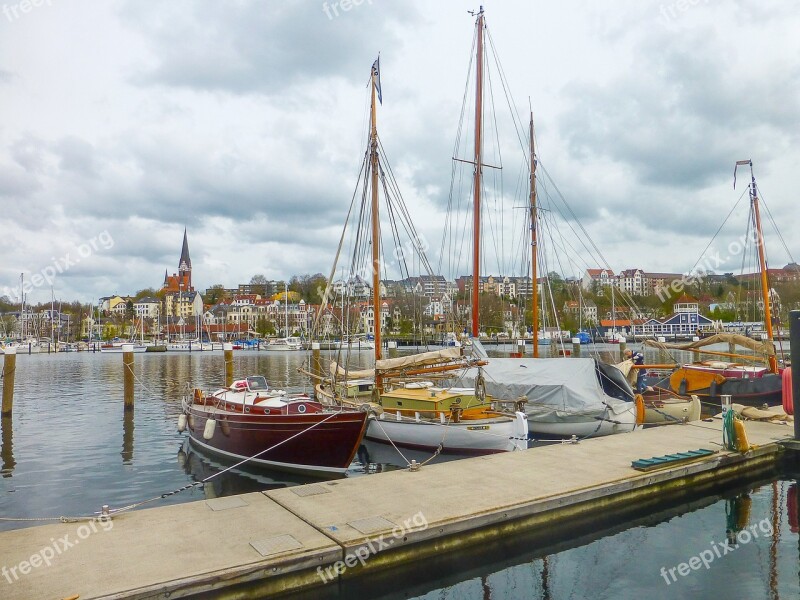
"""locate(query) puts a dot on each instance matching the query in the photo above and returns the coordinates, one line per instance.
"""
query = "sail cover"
(556, 388)
(766, 348)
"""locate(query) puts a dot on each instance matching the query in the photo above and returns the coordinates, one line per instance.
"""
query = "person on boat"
(638, 359)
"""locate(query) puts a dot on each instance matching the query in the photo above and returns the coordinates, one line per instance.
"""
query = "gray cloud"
(678, 118)
(247, 47)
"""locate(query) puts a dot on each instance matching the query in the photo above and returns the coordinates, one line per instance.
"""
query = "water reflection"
(609, 557)
(7, 448)
(222, 480)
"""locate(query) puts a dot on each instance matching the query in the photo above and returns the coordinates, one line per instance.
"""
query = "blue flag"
(376, 70)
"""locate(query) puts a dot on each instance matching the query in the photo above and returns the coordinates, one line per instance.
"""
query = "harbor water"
(71, 448)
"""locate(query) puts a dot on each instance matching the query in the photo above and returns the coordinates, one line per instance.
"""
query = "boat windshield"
(257, 383)
(613, 382)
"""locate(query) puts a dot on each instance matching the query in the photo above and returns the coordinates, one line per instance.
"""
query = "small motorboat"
(273, 429)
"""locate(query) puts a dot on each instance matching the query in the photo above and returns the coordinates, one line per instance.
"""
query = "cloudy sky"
(244, 122)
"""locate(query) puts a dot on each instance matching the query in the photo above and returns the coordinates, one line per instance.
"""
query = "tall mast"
(762, 259)
(476, 208)
(534, 288)
(376, 226)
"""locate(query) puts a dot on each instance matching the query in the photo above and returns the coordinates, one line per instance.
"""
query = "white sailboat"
(563, 397)
(409, 410)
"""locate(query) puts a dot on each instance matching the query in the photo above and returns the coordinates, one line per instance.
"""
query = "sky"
(126, 121)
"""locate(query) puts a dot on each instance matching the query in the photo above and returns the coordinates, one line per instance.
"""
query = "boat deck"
(291, 538)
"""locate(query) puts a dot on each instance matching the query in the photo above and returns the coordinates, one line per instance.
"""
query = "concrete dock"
(305, 537)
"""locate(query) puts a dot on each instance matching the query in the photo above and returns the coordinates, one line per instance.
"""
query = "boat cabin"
(430, 400)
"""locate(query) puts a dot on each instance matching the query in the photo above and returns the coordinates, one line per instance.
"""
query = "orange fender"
(788, 397)
(639, 409)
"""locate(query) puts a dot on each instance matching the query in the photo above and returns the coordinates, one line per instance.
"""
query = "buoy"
(788, 399)
(208, 432)
(742, 445)
(182, 422)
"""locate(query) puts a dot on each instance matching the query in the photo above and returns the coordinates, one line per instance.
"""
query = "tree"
(216, 294)
(110, 331)
(265, 327)
(145, 293)
(258, 285)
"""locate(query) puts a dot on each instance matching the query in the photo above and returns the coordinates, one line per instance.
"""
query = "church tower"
(185, 265)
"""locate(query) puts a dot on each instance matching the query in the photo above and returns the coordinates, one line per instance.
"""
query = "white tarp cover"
(555, 387)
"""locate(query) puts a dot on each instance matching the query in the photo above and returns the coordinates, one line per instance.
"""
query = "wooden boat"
(563, 398)
(747, 384)
(664, 407)
(406, 411)
(273, 429)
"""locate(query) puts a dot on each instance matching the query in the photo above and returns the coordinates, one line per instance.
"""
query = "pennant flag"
(376, 71)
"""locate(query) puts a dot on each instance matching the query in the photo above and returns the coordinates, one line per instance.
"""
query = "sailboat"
(408, 408)
(565, 397)
(747, 384)
(285, 343)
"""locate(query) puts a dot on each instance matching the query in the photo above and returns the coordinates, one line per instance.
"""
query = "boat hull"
(665, 408)
(295, 444)
(583, 426)
(767, 389)
(475, 437)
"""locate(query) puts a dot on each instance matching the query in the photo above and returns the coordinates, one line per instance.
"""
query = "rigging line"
(457, 145)
(497, 236)
(702, 254)
(122, 509)
(516, 119)
(406, 220)
(775, 227)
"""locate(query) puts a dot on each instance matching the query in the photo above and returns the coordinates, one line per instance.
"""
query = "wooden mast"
(534, 287)
(762, 259)
(476, 208)
(376, 229)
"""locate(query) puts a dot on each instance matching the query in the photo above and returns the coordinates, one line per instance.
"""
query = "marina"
(305, 523)
(443, 331)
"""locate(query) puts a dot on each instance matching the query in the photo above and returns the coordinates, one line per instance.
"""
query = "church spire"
(185, 263)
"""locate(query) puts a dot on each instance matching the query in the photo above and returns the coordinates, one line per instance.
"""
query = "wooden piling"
(227, 350)
(7, 446)
(127, 437)
(521, 348)
(9, 369)
(623, 345)
(576, 347)
(392, 347)
(127, 368)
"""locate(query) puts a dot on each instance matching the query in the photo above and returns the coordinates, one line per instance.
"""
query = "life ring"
(640, 411)
(301, 408)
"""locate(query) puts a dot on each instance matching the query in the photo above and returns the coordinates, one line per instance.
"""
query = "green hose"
(728, 430)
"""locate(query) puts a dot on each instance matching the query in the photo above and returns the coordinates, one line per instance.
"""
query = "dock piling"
(521, 348)
(127, 368)
(623, 344)
(576, 347)
(9, 369)
(227, 350)
(794, 345)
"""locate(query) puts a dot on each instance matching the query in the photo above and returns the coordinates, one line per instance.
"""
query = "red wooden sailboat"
(273, 429)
